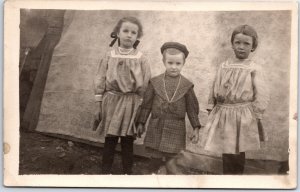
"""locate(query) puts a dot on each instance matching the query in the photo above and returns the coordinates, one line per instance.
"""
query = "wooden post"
(50, 40)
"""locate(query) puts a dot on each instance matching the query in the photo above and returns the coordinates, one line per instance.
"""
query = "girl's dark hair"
(131, 20)
(246, 30)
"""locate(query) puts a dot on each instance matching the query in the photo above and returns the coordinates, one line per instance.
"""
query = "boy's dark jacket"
(166, 131)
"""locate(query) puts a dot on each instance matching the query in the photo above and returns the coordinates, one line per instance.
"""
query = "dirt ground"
(42, 154)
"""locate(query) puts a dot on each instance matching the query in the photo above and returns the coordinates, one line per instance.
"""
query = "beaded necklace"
(170, 100)
(124, 51)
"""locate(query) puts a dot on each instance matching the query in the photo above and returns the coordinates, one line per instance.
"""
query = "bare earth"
(42, 154)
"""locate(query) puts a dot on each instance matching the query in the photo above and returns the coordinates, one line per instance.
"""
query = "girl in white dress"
(120, 84)
(238, 99)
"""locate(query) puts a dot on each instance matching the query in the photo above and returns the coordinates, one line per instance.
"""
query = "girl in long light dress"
(239, 97)
(120, 83)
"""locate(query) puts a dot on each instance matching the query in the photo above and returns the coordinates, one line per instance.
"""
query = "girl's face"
(173, 64)
(242, 45)
(128, 34)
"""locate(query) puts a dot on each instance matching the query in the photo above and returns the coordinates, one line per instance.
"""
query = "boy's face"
(128, 34)
(242, 45)
(173, 63)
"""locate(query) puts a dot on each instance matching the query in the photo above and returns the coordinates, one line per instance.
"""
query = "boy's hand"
(195, 136)
(140, 130)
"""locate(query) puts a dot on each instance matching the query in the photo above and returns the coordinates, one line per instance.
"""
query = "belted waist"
(121, 93)
(167, 117)
(234, 104)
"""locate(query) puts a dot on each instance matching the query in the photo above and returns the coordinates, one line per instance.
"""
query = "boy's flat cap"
(175, 45)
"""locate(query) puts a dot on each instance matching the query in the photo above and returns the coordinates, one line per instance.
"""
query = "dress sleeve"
(146, 106)
(100, 78)
(211, 98)
(146, 75)
(192, 107)
(261, 92)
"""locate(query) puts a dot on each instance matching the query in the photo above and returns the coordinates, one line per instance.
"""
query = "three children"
(238, 99)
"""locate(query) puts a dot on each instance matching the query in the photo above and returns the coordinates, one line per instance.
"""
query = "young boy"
(168, 98)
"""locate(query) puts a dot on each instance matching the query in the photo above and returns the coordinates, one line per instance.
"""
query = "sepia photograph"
(150, 94)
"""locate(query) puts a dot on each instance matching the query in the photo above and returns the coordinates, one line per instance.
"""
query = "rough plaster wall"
(67, 106)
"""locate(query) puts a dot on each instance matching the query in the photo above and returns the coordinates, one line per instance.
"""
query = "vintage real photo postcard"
(145, 94)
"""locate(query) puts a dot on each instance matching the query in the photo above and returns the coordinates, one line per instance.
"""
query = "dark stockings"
(233, 164)
(109, 152)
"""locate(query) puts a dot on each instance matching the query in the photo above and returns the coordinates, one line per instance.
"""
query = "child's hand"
(140, 130)
(195, 136)
(98, 115)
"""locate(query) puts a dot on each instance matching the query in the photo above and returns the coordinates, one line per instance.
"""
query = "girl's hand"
(98, 110)
(97, 115)
(140, 130)
(195, 136)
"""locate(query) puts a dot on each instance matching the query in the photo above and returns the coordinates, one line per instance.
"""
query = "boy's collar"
(158, 85)
(168, 75)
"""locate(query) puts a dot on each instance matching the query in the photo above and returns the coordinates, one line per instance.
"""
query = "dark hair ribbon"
(136, 43)
(115, 37)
